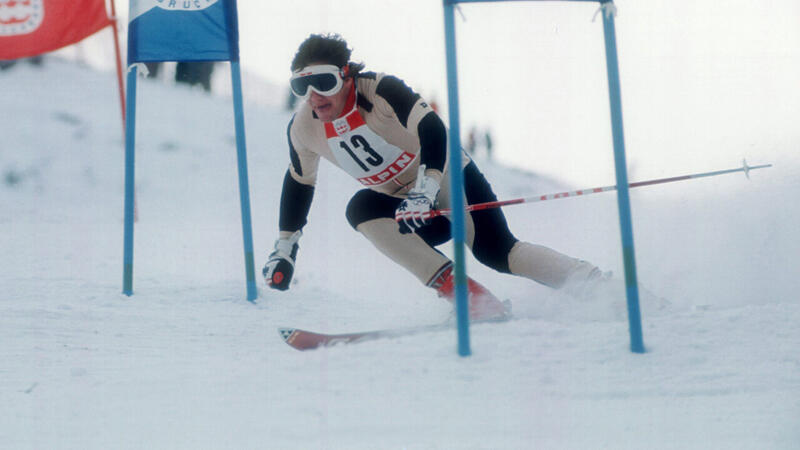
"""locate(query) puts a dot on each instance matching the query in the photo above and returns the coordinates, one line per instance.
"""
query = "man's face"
(329, 108)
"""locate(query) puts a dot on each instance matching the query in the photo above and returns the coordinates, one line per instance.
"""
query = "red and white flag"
(32, 27)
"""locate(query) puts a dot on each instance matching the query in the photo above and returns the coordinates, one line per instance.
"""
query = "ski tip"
(286, 333)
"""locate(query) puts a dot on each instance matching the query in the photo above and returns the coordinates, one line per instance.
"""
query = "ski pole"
(488, 205)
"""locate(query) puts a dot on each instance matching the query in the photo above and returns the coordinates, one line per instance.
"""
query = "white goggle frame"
(310, 78)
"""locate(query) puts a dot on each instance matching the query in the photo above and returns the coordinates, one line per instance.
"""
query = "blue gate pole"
(130, 150)
(623, 199)
(456, 183)
(244, 187)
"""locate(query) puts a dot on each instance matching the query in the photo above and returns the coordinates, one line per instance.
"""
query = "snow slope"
(187, 362)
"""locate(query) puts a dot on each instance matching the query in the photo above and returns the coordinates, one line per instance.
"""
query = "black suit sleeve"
(295, 204)
(431, 130)
(433, 142)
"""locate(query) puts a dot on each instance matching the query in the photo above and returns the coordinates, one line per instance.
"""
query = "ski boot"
(483, 305)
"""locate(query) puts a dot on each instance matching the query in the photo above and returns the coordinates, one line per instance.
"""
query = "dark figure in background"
(153, 68)
(192, 73)
(471, 141)
(487, 139)
(33, 60)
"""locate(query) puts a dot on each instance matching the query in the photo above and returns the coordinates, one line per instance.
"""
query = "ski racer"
(382, 133)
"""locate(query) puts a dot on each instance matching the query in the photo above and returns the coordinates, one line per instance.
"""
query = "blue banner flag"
(183, 30)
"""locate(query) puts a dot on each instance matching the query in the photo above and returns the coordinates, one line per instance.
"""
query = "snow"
(187, 362)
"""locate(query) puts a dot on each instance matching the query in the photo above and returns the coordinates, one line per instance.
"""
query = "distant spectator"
(9, 63)
(470, 147)
(487, 139)
(193, 73)
(153, 68)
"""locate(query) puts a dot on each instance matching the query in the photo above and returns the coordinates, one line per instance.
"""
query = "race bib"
(364, 154)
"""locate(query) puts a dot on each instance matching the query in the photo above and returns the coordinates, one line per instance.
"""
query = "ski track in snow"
(186, 362)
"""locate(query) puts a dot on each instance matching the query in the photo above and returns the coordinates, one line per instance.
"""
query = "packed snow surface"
(188, 362)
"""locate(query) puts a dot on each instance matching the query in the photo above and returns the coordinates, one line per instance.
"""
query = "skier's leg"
(415, 251)
(482, 303)
(408, 250)
(372, 214)
(494, 245)
(548, 266)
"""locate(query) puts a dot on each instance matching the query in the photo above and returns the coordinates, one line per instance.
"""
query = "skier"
(378, 130)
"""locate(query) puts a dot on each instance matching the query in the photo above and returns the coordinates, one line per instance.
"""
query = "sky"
(533, 73)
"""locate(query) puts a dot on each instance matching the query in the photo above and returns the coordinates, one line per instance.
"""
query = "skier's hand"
(279, 268)
(415, 211)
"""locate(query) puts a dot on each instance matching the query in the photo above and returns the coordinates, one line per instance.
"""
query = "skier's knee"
(368, 205)
(494, 253)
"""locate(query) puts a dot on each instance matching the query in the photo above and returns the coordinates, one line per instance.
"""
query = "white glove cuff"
(430, 188)
(425, 186)
(284, 246)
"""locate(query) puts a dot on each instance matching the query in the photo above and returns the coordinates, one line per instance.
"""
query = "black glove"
(279, 268)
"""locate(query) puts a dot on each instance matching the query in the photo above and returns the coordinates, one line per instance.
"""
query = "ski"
(309, 340)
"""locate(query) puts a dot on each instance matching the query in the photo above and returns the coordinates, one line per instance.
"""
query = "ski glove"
(280, 267)
(415, 211)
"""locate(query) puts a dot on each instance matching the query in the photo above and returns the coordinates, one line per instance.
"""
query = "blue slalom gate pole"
(130, 150)
(623, 199)
(456, 183)
(244, 187)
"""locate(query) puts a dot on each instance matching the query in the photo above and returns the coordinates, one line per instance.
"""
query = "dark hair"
(328, 49)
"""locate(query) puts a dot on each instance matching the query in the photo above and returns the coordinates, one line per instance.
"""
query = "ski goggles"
(323, 79)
